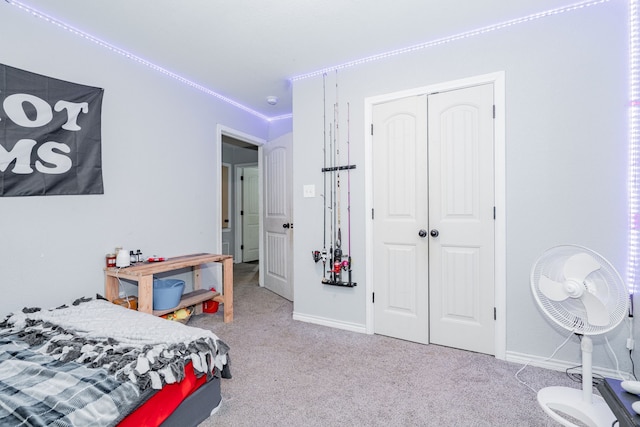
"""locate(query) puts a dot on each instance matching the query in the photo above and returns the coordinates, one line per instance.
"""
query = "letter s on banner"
(46, 153)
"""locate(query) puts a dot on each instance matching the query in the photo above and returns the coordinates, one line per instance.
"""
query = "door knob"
(434, 233)
(422, 233)
(287, 225)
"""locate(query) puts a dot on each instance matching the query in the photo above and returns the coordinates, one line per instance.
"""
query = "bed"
(94, 363)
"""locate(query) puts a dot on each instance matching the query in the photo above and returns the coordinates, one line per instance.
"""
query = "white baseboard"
(353, 327)
(559, 365)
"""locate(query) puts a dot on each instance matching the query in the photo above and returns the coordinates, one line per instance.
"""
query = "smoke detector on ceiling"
(272, 100)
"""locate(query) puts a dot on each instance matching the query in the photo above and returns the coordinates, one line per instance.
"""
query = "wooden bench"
(142, 274)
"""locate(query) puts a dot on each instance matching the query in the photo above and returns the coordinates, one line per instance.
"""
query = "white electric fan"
(582, 292)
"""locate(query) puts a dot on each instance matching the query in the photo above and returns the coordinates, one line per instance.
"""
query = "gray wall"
(566, 158)
(158, 152)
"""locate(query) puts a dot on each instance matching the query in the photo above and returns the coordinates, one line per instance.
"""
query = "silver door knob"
(434, 233)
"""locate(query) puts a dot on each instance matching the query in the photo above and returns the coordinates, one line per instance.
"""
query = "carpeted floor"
(291, 373)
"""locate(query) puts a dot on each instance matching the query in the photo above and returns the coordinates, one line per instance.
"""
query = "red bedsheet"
(158, 408)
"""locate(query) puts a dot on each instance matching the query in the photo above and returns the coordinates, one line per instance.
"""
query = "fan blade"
(579, 266)
(551, 289)
(597, 314)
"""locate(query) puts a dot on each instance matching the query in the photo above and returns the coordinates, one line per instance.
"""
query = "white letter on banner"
(13, 108)
(21, 153)
(45, 152)
(73, 111)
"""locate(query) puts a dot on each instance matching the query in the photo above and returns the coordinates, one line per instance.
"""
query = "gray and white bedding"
(94, 362)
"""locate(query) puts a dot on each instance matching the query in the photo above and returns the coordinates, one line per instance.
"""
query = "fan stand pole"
(582, 405)
(586, 345)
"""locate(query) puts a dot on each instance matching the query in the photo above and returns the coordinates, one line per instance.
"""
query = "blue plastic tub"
(167, 293)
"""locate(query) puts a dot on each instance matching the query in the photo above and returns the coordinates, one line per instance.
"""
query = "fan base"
(571, 402)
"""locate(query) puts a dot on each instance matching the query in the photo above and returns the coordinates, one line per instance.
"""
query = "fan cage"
(604, 283)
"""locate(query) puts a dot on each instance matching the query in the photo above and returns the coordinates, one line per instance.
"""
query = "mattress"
(186, 403)
(97, 362)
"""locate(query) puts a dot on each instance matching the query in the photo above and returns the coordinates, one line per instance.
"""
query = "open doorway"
(241, 199)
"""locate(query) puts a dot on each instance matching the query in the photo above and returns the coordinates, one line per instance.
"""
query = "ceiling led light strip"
(634, 145)
(135, 58)
(453, 38)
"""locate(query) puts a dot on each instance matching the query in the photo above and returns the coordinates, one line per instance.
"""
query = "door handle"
(422, 233)
(434, 233)
(287, 225)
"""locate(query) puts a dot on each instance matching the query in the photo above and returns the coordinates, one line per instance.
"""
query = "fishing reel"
(340, 266)
(337, 267)
(317, 256)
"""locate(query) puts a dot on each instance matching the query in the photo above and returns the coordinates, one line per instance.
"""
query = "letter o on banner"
(13, 106)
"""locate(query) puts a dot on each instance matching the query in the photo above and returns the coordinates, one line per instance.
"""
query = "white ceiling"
(247, 50)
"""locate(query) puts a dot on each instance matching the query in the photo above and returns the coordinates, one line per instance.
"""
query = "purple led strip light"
(139, 60)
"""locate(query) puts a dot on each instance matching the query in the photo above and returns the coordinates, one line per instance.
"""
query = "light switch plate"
(309, 190)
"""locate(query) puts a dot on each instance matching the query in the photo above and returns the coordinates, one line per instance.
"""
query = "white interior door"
(278, 228)
(250, 214)
(400, 255)
(433, 169)
(461, 195)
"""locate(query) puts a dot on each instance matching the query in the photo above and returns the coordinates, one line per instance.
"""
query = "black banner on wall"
(50, 135)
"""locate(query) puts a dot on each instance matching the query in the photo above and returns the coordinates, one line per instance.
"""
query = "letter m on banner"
(50, 135)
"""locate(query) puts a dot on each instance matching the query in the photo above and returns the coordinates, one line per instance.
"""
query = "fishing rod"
(332, 198)
(324, 159)
(349, 192)
(337, 255)
(322, 255)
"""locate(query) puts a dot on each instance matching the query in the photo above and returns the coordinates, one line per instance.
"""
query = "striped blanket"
(92, 363)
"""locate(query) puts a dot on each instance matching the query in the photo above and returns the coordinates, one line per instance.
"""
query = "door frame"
(250, 139)
(238, 206)
(498, 81)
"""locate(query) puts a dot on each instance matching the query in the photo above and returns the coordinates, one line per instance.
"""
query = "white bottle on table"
(122, 258)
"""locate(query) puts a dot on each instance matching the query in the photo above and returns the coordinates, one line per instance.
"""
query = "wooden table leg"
(197, 284)
(111, 288)
(145, 294)
(227, 287)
